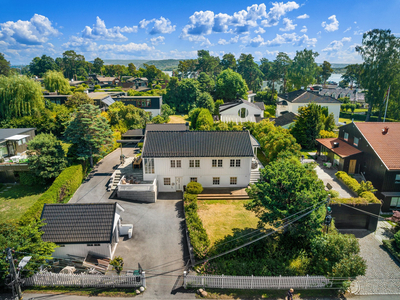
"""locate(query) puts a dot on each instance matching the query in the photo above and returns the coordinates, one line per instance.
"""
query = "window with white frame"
(172, 163)
(395, 202)
(215, 180)
(167, 181)
(217, 163)
(191, 163)
(193, 179)
(346, 136)
(238, 163)
(232, 163)
(233, 180)
(355, 142)
(194, 163)
(397, 180)
(178, 163)
(149, 165)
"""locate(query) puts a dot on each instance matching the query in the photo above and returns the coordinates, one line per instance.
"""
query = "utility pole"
(14, 277)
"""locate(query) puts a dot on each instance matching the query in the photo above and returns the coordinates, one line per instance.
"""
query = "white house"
(212, 158)
(241, 111)
(78, 229)
(290, 102)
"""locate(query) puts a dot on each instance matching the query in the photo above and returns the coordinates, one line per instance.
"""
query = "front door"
(352, 166)
(178, 183)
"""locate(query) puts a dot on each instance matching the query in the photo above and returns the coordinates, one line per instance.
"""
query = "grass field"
(178, 119)
(220, 217)
(342, 120)
(15, 200)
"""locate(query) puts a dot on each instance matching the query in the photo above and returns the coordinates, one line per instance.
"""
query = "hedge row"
(198, 235)
(355, 187)
(358, 117)
(60, 191)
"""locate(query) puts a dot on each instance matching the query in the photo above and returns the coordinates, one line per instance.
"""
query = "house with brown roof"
(371, 149)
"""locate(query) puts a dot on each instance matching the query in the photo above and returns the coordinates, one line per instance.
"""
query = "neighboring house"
(371, 149)
(13, 141)
(133, 135)
(138, 82)
(251, 96)
(102, 80)
(167, 127)
(286, 120)
(78, 229)
(57, 99)
(75, 82)
(212, 158)
(290, 102)
(355, 95)
(102, 99)
(150, 104)
(241, 111)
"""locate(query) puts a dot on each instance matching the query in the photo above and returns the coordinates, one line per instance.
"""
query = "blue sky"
(177, 29)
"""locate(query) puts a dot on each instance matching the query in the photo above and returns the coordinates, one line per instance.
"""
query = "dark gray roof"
(197, 144)
(78, 223)
(260, 105)
(166, 127)
(302, 96)
(7, 132)
(284, 119)
(228, 105)
(133, 132)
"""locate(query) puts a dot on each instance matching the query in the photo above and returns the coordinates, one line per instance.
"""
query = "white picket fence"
(255, 282)
(85, 280)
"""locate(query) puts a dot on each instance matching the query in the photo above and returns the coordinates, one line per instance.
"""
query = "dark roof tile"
(302, 96)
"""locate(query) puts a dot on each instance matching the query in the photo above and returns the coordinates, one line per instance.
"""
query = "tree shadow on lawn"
(19, 191)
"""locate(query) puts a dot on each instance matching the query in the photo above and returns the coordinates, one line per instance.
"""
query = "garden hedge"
(194, 188)
(60, 191)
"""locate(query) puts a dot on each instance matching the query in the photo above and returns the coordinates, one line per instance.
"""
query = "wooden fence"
(85, 280)
(253, 282)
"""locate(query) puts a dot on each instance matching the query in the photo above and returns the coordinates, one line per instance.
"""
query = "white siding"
(204, 174)
(154, 112)
(82, 250)
(232, 114)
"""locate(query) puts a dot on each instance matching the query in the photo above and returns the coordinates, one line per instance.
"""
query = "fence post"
(279, 284)
(222, 281)
(82, 282)
(144, 279)
(306, 282)
(184, 279)
(251, 285)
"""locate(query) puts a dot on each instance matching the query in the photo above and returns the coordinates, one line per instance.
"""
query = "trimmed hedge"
(354, 201)
(391, 246)
(194, 188)
(358, 117)
(60, 191)
(198, 235)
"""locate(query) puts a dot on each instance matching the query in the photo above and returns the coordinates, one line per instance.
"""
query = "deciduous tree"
(326, 71)
(4, 65)
(230, 85)
(250, 71)
(78, 99)
(303, 69)
(55, 82)
(308, 125)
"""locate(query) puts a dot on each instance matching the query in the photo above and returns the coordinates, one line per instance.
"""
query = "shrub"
(118, 264)
(397, 239)
(60, 191)
(28, 178)
(140, 145)
(350, 182)
(194, 188)
(324, 134)
(370, 197)
(364, 190)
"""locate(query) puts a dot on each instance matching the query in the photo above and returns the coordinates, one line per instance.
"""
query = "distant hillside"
(163, 64)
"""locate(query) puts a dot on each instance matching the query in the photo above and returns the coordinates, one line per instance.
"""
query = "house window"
(397, 180)
(24, 141)
(193, 179)
(167, 181)
(346, 136)
(178, 163)
(91, 245)
(172, 163)
(243, 112)
(395, 202)
(233, 180)
(19, 142)
(217, 162)
(194, 163)
(238, 163)
(214, 163)
(149, 165)
(355, 142)
(215, 180)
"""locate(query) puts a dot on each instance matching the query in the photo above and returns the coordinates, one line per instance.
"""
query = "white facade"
(82, 250)
(171, 178)
(294, 107)
(241, 113)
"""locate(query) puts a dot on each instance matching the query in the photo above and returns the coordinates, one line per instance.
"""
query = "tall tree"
(282, 64)
(71, 62)
(303, 69)
(4, 65)
(20, 96)
(97, 65)
(380, 51)
(40, 65)
(187, 68)
(204, 100)
(182, 96)
(353, 74)
(89, 132)
(250, 71)
(326, 71)
(55, 82)
(132, 69)
(228, 62)
(78, 99)
(151, 72)
(206, 83)
(230, 85)
(48, 159)
(207, 63)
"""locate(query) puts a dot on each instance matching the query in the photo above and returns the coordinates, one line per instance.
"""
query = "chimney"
(302, 88)
(385, 130)
(244, 128)
(335, 145)
(187, 126)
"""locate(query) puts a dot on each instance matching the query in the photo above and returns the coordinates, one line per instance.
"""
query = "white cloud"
(99, 31)
(305, 16)
(358, 32)
(348, 29)
(257, 41)
(233, 40)
(20, 34)
(278, 10)
(336, 45)
(126, 48)
(346, 39)
(160, 26)
(304, 29)
(260, 30)
(333, 26)
(291, 38)
(157, 40)
(289, 26)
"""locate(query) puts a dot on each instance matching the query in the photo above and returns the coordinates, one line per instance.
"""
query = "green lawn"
(261, 157)
(17, 199)
(220, 217)
(342, 120)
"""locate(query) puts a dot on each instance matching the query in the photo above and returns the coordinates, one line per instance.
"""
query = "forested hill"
(163, 64)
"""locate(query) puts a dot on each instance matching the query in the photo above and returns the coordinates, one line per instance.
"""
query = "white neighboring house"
(80, 228)
(212, 158)
(290, 102)
(241, 111)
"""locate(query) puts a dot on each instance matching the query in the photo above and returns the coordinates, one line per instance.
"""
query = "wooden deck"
(223, 194)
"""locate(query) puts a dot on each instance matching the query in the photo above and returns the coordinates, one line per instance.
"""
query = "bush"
(28, 178)
(324, 134)
(364, 190)
(140, 145)
(194, 188)
(60, 191)
(349, 181)
(370, 197)
(397, 239)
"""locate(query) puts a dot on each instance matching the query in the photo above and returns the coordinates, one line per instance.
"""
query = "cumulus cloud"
(99, 31)
(304, 29)
(36, 31)
(260, 30)
(346, 39)
(160, 26)
(233, 40)
(289, 26)
(358, 32)
(278, 10)
(332, 26)
(336, 45)
(291, 38)
(157, 40)
(305, 16)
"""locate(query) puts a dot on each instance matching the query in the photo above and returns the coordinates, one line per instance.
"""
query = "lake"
(335, 77)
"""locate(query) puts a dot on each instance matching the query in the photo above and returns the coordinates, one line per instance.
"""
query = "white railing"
(85, 280)
(255, 282)
(137, 187)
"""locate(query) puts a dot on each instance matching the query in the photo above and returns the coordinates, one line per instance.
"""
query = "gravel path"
(383, 271)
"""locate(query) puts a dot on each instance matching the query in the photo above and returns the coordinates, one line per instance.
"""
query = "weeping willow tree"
(20, 96)
(55, 81)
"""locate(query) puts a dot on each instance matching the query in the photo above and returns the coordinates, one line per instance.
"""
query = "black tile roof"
(78, 223)
(302, 96)
(284, 119)
(133, 132)
(197, 144)
(8, 132)
(167, 127)
(229, 105)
